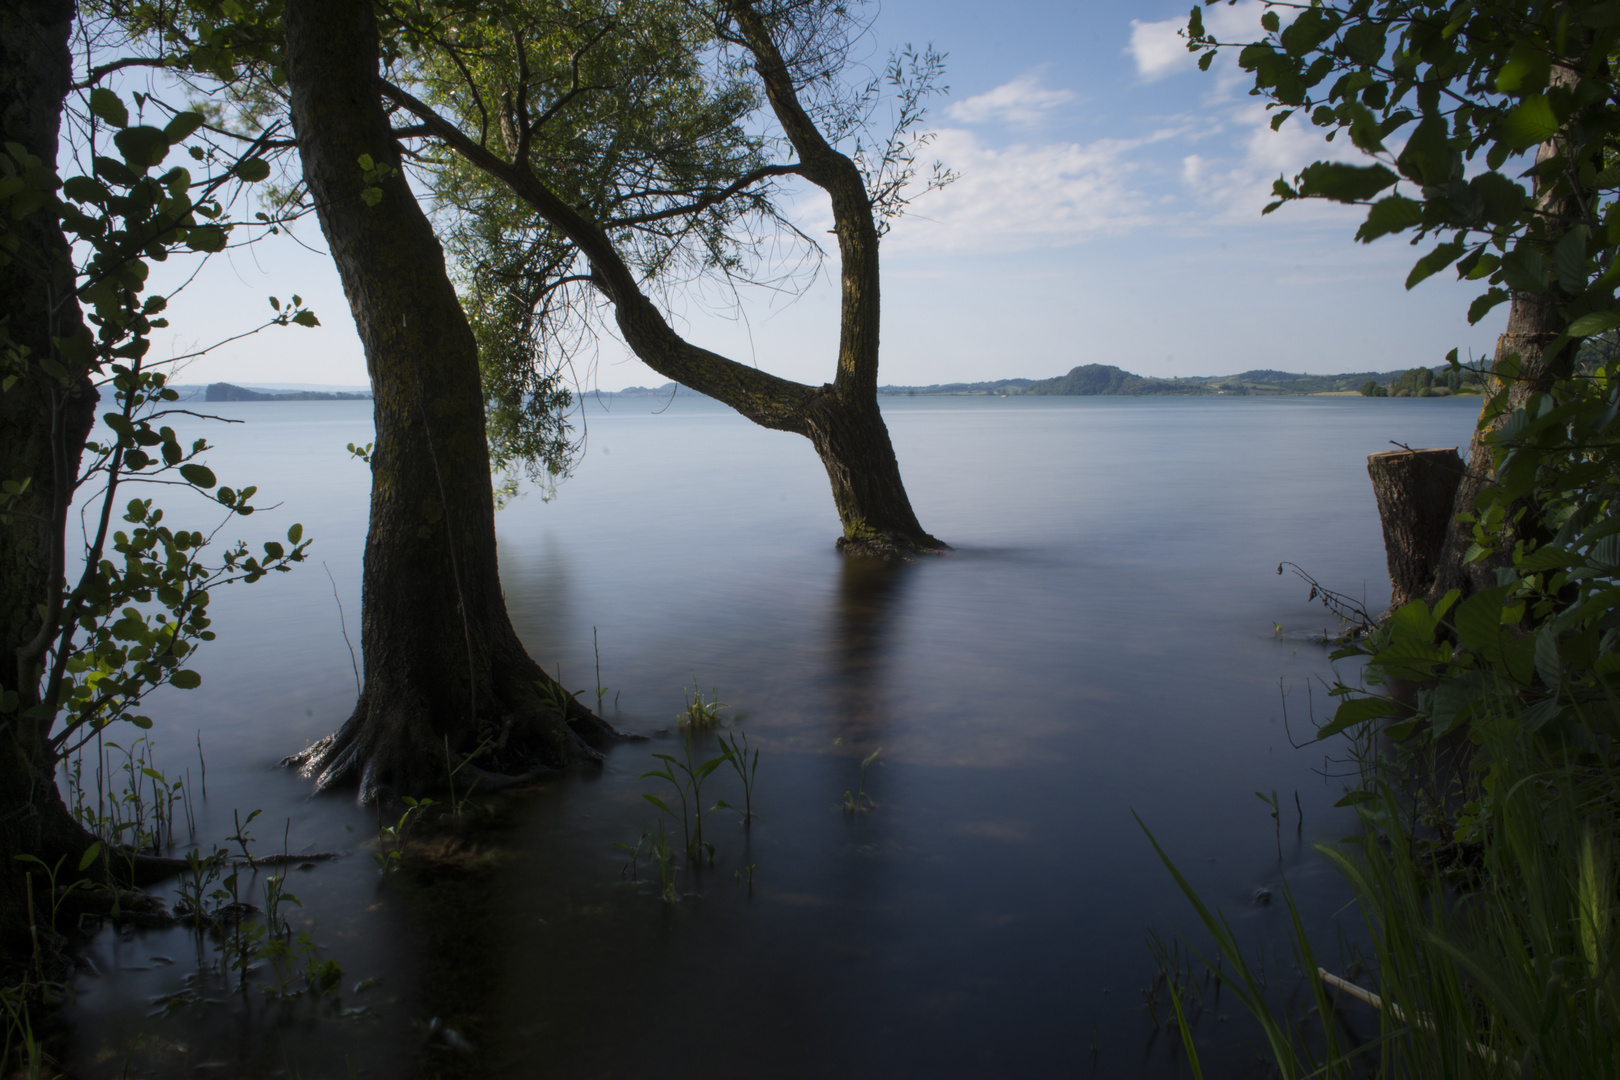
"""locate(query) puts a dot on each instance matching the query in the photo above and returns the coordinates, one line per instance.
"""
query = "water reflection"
(1082, 654)
(862, 621)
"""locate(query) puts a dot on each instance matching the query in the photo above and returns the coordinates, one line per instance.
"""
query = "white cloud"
(1235, 186)
(1159, 49)
(1026, 196)
(1022, 101)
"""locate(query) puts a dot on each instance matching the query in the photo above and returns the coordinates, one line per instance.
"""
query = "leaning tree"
(572, 112)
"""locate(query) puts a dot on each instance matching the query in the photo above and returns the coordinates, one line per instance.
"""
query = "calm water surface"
(1100, 642)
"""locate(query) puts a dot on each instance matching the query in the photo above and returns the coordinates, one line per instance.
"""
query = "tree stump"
(1415, 490)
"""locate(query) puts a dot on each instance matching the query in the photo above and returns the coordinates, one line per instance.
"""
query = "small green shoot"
(860, 800)
(700, 715)
(737, 753)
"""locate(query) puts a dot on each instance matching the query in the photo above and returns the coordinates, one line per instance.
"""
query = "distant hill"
(1106, 380)
(669, 389)
(224, 391)
(1098, 380)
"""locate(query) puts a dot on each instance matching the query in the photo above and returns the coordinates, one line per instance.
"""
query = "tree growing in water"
(528, 88)
(443, 664)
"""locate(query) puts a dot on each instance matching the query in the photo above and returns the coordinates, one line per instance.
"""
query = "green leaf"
(1428, 157)
(1389, 215)
(181, 127)
(106, 105)
(1483, 303)
(1569, 260)
(1599, 322)
(185, 680)
(1531, 123)
(1436, 260)
(91, 854)
(1354, 712)
(295, 534)
(208, 238)
(200, 475)
(1344, 183)
(142, 147)
(306, 318)
(252, 169)
(1356, 798)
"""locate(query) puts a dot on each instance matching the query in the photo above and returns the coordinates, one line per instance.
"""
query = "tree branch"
(706, 201)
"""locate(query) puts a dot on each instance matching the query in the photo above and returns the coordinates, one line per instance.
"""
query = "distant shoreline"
(1106, 380)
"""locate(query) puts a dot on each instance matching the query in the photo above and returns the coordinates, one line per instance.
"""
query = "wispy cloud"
(1021, 101)
(1026, 196)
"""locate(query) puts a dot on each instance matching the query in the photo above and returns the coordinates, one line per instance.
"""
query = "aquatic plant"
(700, 715)
(666, 866)
(688, 785)
(860, 800)
(392, 839)
(737, 753)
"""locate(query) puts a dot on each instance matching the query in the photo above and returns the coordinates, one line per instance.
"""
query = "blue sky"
(1108, 211)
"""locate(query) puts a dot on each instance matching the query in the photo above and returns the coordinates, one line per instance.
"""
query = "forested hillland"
(1106, 380)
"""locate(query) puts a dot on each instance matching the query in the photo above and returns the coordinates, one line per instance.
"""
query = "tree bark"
(43, 425)
(444, 670)
(841, 418)
(1521, 367)
(1415, 490)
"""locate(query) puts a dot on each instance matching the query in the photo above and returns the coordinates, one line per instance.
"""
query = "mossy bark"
(444, 670)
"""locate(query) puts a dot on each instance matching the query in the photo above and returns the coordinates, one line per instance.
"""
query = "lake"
(1109, 635)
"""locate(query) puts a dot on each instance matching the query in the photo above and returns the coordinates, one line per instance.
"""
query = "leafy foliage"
(140, 604)
(1449, 99)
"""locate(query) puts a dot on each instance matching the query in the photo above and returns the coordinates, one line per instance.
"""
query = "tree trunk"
(841, 418)
(1533, 323)
(1415, 490)
(1520, 366)
(444, 670)
(43, 425)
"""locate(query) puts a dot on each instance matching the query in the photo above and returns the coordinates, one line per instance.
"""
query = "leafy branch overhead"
(1459, 105)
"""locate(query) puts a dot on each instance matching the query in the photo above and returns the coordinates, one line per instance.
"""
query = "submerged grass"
(1494, 946)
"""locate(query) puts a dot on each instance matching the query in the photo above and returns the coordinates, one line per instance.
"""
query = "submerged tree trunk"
(444, 669)
(1415, 490)
(841, 418)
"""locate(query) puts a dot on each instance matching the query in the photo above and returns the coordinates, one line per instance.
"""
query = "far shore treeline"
(1106, 380)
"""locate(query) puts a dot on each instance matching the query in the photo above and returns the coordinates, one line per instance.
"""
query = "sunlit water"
(1100, 642)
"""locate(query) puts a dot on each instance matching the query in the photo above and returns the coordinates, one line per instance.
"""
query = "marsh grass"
(1494, 952)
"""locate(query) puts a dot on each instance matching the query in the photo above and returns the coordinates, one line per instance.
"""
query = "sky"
(1107, 211)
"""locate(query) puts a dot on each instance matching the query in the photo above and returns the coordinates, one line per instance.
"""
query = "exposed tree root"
(395, 749)
(891, 548)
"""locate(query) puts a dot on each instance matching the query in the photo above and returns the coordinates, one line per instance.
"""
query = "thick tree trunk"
(1415, 490)
(444, 668)
(43, 425)
(841, 418)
